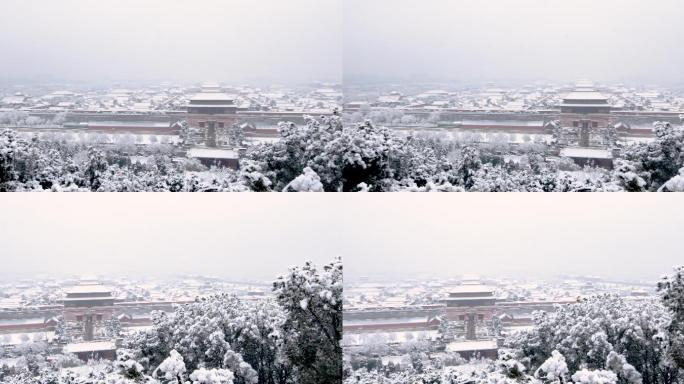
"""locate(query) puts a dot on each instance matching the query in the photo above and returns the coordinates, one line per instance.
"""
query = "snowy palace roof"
(463, 346)
(386, 321)
(98, 298)
(584, 97)
(207, 153)
(471, 288)
(586, 153)
(88, 288)
(92, 346)
(212, 96)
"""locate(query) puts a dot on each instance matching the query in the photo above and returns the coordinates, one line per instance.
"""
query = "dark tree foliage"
(312, 301)
(587, 332)
(660, 160)
(671, 289)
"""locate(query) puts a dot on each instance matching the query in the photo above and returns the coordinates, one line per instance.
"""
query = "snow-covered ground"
(106, 138)
(399, 337)
(25, 337)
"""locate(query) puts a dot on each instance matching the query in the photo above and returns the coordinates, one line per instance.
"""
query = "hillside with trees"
(292, 337)
(326, 154)
(603, 339)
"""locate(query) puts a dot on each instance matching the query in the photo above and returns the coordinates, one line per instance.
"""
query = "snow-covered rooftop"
(534, 123)
(13, 100)
(212, 153)
(210, 85)
(584, 152)
(471, 288)
(92, 346)
(212, 96)
(25, 337)
(584, 93)
(397, 320)
(469, 298)
(88, 288)
(478, 345)
(88, 298)
(390, 337)
(396, 360)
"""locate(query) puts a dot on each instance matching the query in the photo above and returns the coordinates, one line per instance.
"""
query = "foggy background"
(275, 41)
(160, 235)
(473, 41)
(378, 235)
(616, 236)
(265, 41)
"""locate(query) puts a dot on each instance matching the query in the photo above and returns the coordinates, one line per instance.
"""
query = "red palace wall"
(194, 120)
(603, 120)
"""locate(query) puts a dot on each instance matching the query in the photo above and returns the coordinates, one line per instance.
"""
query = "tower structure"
(210, 113)
(585, 117)
(471, 303)
(87, 308)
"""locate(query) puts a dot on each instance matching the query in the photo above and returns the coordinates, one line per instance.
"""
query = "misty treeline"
(603, 339)
(326, 154)
(291, 338)
(21, 118)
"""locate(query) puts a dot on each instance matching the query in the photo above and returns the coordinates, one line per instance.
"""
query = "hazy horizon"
(612, 236)
(386, 235)
(351, 41)
(160, 235)
(525, 40)
(155, 40)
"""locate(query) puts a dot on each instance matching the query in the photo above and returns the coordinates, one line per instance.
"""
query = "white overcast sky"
(480, 40)
(237, 236)
(381, 235)
(288, 41)
(529, 234)
(122, 40)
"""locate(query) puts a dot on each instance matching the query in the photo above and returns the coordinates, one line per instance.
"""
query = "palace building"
(87, 307)
(470, 294)
(587, 112)
(587, 131)
(211, 113)
(471, 303)
(92, 350)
